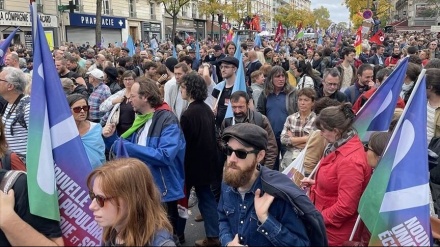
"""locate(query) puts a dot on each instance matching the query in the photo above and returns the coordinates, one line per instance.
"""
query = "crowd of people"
(171, 115)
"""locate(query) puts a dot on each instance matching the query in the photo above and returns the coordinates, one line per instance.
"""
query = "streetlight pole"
(220, 22)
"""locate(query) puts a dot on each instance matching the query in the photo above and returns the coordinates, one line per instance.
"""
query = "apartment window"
(152, 8)
(2, 4)
(77, 2)
(106, 7)
(184, 10)
(132, 8)
(194, 10)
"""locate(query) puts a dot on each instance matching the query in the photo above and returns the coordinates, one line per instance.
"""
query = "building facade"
(17, 14)
(413, 15)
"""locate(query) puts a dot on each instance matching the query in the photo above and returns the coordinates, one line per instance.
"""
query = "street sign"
(435, 29)
(367, 14)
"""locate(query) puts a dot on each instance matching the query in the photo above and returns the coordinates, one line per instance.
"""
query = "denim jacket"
(236, 216)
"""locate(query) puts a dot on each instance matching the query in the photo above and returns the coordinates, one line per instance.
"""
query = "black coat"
(198, 126)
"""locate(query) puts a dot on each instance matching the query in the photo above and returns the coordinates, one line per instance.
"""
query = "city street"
(193, 230)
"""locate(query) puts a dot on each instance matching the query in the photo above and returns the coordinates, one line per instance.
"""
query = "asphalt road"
(193, 230)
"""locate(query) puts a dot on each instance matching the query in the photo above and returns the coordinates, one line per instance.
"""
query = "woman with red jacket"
(343, 173)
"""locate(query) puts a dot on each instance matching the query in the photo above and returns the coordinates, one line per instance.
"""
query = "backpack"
(9, 180)
(316, 84)
(280, 186)
(6, 160)
(19, 117)
(141, 73)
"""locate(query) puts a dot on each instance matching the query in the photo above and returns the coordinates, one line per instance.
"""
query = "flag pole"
(416, 86)
(356, 225)
(314, 170)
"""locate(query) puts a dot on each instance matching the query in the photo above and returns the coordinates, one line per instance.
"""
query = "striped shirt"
(16, 135)
(430, 128)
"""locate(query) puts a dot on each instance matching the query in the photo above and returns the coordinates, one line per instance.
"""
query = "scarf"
(139, 121)
(406, 88)
(338, 143)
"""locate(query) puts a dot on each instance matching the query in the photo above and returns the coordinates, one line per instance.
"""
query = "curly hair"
(195, 86)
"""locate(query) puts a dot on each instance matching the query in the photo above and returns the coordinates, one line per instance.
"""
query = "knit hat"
(170, 63)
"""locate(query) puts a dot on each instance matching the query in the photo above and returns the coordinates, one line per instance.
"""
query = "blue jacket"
(283, 227)
(164, 153)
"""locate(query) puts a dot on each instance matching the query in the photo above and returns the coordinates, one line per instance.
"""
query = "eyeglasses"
(79, 108)
(332, 84)
(241, 154)
(367, 147)
(99, 199)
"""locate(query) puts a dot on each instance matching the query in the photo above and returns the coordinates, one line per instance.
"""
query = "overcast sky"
(338, 12)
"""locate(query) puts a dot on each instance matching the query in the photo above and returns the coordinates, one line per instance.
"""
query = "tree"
(210, 8)
(342, 26)
(98, 32)
(237, 10)
(292, 17)
(357, 7)
(173, 7)
(322, 16)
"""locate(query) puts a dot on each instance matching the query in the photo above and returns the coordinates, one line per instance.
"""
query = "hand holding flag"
(55, 152)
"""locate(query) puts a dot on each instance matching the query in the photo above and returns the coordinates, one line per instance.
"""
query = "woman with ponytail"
(343, 173)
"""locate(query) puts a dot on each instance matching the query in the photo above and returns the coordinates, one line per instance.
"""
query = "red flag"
(280, 32)
(358, 42)
(300, 26)
(378, 38)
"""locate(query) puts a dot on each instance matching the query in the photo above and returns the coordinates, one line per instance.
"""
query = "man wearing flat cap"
(124, 52)
(215, 60)
(247, 215)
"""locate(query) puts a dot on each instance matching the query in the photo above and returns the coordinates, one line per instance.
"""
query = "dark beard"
(238, 178)
(395, 55)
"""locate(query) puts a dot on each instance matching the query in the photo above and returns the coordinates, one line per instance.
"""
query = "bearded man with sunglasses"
(247, 215)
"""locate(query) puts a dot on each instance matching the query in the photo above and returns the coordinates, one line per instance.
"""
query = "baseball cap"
(97, 73)
(250, 135)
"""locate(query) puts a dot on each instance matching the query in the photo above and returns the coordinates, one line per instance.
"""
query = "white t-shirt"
(142, 140)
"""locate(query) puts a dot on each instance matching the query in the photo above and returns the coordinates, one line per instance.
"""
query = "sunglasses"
(241, 154)
(99, 199)
(79, 108)
(367, 147)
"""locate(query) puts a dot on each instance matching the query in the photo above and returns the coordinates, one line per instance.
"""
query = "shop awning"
(183, 29)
